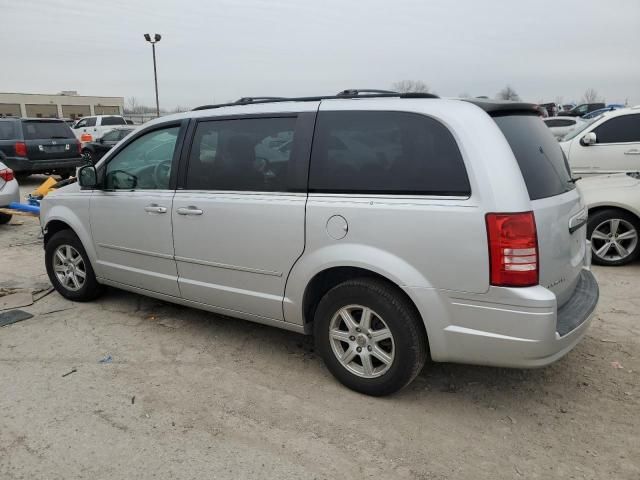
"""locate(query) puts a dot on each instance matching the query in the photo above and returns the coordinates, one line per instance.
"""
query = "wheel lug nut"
(352, 338)
(359, 349)
(369, 348)
(358, 329)
(369, 335)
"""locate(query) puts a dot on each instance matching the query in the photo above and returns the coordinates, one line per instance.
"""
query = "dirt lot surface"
(191, 395)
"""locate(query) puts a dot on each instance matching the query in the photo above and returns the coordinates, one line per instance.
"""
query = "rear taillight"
(7, 174)
(513, 249)
(21, 149)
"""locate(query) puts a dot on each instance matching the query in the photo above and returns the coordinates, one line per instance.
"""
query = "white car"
(609, 143)
(90, 129)
(560, 126)
(613, 202)
(9, 191)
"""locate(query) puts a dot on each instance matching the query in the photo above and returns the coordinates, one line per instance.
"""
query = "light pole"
(156, 39)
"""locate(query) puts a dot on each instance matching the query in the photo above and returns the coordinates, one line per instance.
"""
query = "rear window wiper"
(574, 180)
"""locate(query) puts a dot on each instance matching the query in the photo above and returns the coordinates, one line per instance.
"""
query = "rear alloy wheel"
(370, 336)
(614, 237)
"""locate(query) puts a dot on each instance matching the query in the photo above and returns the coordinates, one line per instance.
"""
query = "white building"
(66, 104)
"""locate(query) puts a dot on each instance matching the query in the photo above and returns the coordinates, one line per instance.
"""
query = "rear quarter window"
(373, 152)
(543, 165)
(7, 130)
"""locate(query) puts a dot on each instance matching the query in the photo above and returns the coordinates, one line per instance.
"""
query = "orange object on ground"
(86, 137)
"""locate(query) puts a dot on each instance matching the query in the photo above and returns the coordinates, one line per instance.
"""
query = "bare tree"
(508, 93)
(411, 86)
(180, 109)
(591, 96)
(133, 106)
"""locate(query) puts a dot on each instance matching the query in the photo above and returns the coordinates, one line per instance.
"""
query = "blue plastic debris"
(107, 359)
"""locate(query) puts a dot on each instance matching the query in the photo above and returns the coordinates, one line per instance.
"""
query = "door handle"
(155, 208)
(191, 210)
(633, 151)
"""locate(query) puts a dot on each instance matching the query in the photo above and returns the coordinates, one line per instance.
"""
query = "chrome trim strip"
(135, 250)
(227, 266)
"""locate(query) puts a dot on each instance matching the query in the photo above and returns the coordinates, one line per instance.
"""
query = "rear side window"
(39, 130)
(252, 154)
(621, 129)
(543, 165)
(385, 153)
(7, 130)
(106, 121)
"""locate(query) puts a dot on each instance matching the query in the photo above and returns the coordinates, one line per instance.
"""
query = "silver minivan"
(393, 227)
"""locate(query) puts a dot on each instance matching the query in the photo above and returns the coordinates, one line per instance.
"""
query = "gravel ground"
(189, 394)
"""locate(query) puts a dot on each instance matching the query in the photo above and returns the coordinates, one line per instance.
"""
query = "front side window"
(145, 163)
(91, 122)
(81, 123)
(251, 154)
(623, 129)
(385, 153)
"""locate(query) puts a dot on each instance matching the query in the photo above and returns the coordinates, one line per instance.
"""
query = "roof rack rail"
(355, 94)
(350, 92)
(257, 99)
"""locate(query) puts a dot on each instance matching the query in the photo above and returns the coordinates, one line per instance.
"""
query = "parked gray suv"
(394, 228)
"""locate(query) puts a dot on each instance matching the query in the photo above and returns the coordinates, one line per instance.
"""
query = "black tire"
(401, 318)
(88, 155)
(626, 220)
(90, 289)
(5, 218)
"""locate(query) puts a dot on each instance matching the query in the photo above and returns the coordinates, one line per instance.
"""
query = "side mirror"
(88, 177)
(588, 139)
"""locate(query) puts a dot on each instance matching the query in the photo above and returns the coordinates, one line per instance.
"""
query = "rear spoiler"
(504, 107)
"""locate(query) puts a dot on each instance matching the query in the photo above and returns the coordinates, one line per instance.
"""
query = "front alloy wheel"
(69, 267)
(614, 241)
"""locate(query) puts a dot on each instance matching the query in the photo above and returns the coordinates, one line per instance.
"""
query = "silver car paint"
(434, 248)
(9, 191)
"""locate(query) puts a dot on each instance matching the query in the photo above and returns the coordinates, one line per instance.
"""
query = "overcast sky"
(219, 50)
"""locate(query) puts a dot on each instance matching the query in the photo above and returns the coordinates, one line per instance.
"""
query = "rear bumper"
(26, 165)
(519, 328)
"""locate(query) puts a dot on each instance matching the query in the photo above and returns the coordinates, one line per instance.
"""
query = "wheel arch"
(592, 210)
(59, 218)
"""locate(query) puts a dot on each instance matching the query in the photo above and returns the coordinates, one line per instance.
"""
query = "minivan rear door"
(559, 213)
(49, 139)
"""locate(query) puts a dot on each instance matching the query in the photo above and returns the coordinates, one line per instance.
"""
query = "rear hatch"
(559, 213)
(49, 139)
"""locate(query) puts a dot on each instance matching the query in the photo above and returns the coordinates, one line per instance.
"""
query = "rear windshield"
(541, 160)
(38, 130)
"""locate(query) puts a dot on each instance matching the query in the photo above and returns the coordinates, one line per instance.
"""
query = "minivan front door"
(131, 216)
(238, 223)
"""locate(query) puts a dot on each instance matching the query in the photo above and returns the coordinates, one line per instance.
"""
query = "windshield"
(580, 127)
